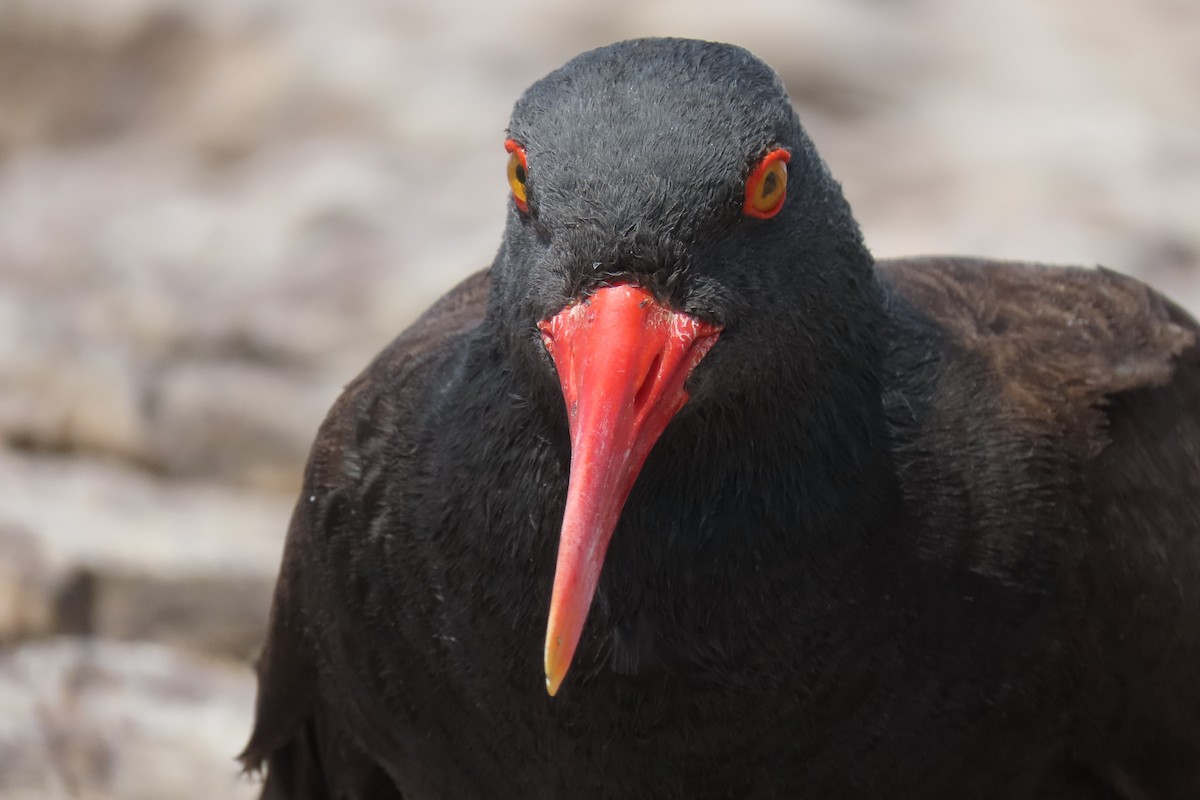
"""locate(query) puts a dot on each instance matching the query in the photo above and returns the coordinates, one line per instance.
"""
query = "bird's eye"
(518, 170)
(766, 187)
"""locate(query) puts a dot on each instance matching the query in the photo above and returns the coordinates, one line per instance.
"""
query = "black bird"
(926, 528)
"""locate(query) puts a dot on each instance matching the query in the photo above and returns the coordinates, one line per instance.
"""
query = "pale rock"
(96, 720)
(27, 587)
(97, 548)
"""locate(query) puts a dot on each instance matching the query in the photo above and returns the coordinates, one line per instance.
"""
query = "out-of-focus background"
(213, 212)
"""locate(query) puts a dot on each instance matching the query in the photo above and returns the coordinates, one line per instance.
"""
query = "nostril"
(647, 383)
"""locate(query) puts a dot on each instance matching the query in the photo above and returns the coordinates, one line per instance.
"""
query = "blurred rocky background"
(213, 212)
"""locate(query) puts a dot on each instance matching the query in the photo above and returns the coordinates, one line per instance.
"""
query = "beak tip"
(554, 672)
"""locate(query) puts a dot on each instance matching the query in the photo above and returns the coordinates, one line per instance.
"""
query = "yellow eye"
(518, 170)
(766, 187)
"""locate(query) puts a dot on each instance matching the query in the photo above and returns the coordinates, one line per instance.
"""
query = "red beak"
(622, 359)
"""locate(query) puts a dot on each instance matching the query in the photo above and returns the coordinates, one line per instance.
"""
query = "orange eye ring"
(766, 188)
(518, 174)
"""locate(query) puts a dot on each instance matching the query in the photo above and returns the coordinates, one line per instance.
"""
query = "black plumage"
(925, 528)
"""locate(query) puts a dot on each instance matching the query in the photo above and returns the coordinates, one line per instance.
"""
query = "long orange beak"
(622, 359)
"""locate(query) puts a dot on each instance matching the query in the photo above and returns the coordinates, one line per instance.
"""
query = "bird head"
(672, 231)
